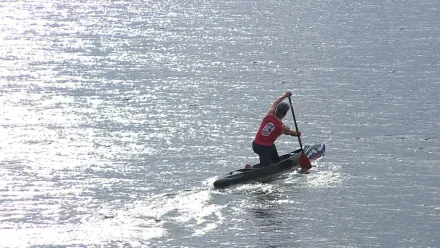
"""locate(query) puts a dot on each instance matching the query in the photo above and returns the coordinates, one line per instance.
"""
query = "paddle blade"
(304, 162)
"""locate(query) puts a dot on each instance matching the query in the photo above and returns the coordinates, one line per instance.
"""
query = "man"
(270, 128)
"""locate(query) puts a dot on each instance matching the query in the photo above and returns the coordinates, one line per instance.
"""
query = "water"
(116, 117)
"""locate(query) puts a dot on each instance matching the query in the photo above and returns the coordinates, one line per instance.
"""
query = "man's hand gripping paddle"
(304, 161)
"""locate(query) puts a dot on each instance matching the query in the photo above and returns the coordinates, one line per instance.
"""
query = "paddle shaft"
(296, 126)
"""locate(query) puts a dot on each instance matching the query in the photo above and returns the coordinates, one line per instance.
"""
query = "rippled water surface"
(117, 117)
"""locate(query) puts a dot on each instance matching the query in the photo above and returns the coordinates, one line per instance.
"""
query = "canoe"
(257, 173)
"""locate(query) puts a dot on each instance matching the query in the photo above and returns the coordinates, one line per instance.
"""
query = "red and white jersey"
(269, 131)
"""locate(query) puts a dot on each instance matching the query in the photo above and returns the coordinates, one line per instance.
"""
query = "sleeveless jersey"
(269, 131)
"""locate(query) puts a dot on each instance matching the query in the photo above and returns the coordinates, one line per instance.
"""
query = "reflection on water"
(265, 206)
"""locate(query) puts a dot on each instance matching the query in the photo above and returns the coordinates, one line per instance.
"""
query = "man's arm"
(278, 101)
(288, 131)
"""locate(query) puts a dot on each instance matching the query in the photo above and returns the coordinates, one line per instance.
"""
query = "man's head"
(282, 110)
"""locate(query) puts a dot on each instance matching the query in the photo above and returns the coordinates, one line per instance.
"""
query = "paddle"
(304, 162)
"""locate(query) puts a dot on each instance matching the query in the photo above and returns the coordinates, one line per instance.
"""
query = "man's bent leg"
(264, 152)
(274, 154)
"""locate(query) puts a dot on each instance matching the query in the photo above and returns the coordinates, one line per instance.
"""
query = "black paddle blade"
(304, 162)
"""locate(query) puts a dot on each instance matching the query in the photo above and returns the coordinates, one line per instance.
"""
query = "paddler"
(270, 129)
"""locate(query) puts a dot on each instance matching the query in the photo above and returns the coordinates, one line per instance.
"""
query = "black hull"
(288, 162)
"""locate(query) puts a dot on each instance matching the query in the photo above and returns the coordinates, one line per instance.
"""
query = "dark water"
(117, 117)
